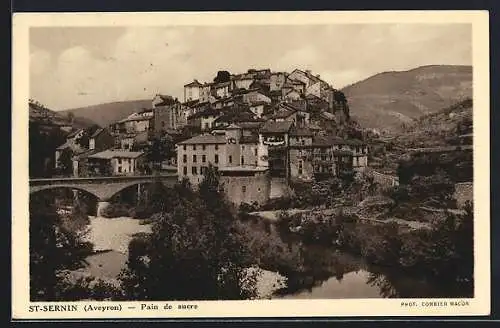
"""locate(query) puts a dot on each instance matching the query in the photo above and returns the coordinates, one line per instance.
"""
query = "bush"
(115, 210)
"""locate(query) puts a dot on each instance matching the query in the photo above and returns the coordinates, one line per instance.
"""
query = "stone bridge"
(104, 188)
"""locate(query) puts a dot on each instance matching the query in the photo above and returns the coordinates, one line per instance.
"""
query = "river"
(325, 273)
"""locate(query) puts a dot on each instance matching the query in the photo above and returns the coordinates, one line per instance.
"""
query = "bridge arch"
(103, 192)
(39, 189)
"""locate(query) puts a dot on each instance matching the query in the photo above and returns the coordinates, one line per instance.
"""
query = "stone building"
(246, 184)
(167, 114)
(236, 152)
(115, 162)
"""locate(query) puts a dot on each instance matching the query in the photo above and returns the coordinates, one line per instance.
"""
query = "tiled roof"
(284, 113)
(85, 154)
(276, 127)
(258, 103)
(355, 142)
(250, 125)
(328, 116)
(65, 145)
(205, 139)
(191, 103)
(207, 112)
(97, 132)
(327, 140)
(74, 133)
(303, 132)
(109, 154)
(233, 126)
(195, 83)
(249, 139)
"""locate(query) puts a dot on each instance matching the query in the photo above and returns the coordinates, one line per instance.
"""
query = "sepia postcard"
(250, 164)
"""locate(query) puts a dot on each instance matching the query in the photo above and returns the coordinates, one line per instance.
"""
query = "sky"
(80, 66)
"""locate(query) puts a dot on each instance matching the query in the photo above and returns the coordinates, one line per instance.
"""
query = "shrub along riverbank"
(442, 254)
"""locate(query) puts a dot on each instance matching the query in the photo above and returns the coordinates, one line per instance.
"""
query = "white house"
(192, 91)
(116, 162)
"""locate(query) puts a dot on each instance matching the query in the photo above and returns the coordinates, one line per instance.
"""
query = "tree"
(65, 162)
(70, 117)
(222, 76)
(158, 151)
(42, 145)
(193, 253)
(83, 141)
(54, 249)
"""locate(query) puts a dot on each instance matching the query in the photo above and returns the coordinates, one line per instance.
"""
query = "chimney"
(308, 71)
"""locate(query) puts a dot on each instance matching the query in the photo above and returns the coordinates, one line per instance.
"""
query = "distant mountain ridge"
(107, 113)
(387, 100)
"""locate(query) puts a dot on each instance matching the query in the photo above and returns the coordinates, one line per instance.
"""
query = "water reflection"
(328, 273)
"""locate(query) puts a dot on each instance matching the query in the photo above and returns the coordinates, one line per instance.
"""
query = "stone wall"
(279, 188)
(384, 180)
(247, 189)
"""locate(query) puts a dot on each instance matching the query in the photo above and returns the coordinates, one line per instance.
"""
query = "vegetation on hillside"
(105, 114)
(387, 100)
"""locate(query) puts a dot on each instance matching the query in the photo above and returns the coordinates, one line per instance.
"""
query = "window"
(300, 167)
(206, 126)
(216, 147)
(244, 188)
(203, 158)
(230, 159)
(185, 170)
(203, 169)
(203, 147)
(243, 147)
(183, 147)
(119, 169)
(216, 159)
(255, 151)
(194, 170)
(242, 160)
(303, 141)
(119, 161)
(194, 147)
(184, 158)
(194, 158)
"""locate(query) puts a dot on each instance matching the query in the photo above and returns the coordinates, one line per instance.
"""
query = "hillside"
(40, 114)
(105, 114)
(387, 100)
(441, 128)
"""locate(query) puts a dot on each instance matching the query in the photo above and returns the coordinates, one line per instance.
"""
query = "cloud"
(136, 63)
(340, 79)
(40, 61)
(306, 55)
(142, 62)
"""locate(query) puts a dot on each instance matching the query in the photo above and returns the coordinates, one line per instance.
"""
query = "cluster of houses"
(253, 127)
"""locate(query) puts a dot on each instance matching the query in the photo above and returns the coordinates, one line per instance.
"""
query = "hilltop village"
(253, 127)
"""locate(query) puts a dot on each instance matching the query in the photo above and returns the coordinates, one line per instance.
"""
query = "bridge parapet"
(104, 188)
(102, 180)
